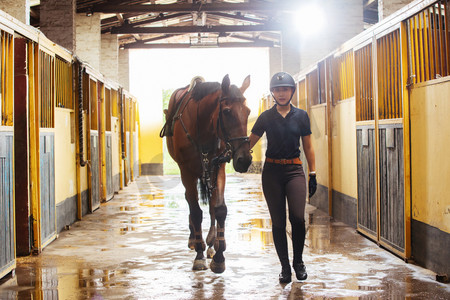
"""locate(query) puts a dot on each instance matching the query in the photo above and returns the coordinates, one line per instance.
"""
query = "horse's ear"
(226, 84)
(245, 84)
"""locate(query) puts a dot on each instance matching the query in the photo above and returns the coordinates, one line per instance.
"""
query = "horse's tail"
(205, 193)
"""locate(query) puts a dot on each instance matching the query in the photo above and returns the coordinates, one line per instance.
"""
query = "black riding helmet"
(282, 79)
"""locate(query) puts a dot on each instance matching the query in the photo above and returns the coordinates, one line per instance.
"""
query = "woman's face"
(282, 94)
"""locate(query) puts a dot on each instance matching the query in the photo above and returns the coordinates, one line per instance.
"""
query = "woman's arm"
(253, 138)
(309, 152)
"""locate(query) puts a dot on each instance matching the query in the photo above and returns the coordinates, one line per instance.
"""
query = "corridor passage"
(135, 247)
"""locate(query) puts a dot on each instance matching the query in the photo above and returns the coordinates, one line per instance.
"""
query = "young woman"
(282, 176)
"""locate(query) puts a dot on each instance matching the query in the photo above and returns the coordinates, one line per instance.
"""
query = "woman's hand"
(312, 185)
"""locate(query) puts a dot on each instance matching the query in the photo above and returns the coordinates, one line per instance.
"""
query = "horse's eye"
(227, 111)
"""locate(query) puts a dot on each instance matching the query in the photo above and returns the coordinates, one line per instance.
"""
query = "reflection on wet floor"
(135, 247)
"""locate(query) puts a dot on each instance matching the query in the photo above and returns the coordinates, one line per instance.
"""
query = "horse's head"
(233, 118)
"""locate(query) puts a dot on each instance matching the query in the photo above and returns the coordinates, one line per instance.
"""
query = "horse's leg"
(220, 210)
(211, 237)
(195, 218)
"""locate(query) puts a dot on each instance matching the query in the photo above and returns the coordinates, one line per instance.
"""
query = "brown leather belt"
(293, 161)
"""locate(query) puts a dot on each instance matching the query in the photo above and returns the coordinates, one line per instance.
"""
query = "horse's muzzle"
(242, 162)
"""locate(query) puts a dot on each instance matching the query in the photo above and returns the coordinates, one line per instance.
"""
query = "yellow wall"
(320, 142)
(344, 165)
(257, 149)
(151, 121)
(151, 144)
(84, 170)
(430, 144)
(65, 172)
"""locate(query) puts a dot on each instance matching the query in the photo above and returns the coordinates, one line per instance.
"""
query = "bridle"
(228, 141)
(224, 157)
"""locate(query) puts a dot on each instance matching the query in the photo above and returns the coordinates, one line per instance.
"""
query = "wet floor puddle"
(135, 247)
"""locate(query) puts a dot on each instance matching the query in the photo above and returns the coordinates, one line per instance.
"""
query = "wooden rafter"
(196, 29)
(189, 7)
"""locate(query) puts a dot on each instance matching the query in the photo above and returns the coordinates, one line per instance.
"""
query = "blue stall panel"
(7, 254)
(47, 184)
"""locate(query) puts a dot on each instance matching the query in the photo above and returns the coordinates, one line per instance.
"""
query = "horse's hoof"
(191, 244)
(217, 267)
(199, 264)
(210, 252)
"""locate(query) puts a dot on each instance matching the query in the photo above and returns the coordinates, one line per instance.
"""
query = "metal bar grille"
(127, 114)
(389, 80)
(302, 94)
(94, 104)
(312, 83)
(429, 43)
(115, 106)
(47, 83)
(107, 109)
(342, 76)
(363, 84)
(63, 74)
(6, 79)
(322, 87)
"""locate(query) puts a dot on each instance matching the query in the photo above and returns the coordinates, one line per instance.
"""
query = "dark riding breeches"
(281, 182)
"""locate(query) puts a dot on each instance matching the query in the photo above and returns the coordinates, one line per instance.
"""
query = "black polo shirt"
(283, 134)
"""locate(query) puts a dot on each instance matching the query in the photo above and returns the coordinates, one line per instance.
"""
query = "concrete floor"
(135, 247)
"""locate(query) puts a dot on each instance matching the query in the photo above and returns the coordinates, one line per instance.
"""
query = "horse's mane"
(203, 89)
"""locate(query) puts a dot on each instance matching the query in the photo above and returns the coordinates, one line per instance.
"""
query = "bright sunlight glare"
(309, 19)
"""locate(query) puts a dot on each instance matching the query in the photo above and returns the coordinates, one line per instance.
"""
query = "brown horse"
(206, 126)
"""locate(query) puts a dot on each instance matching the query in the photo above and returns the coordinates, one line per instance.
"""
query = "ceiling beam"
(196, 29)
(187, 45)
(190, 7)
(237, 17)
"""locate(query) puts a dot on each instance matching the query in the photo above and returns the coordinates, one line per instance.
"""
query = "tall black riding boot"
(298, 243)
(280, 241)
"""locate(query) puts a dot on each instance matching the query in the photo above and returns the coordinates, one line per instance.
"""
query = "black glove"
(312, 186)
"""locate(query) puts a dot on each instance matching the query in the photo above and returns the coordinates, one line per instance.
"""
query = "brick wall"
(57, 22)
(88, 40)
(110, 56)
(386, 8)
(19, 9)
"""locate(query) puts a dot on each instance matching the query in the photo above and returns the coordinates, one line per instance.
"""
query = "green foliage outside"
(170, 167)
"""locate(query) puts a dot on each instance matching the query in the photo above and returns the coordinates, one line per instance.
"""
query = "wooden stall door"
(366, 166)
(95, 170)
(367, 222)
(391, 178)
(109, 176)
(47, 188)
(127, 159)
(7, 253)
(135, 156)
(392, 208)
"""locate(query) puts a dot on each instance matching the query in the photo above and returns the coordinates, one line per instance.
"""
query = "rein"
(210, 167)
(223, 157)
(228, 140)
